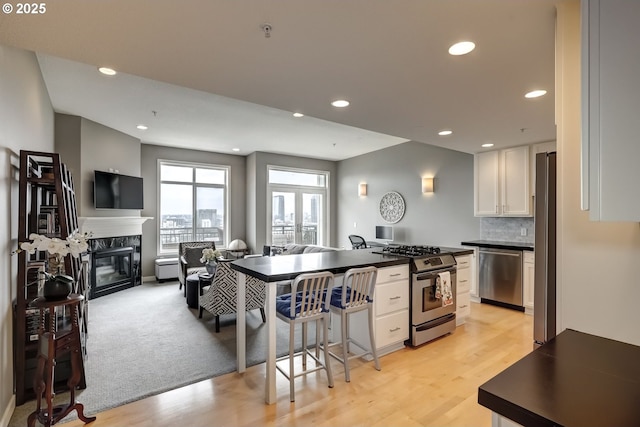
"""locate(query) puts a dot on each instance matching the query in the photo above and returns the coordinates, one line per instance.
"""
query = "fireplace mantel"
(112, 226)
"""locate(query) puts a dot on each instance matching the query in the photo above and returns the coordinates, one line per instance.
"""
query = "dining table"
(274, 269)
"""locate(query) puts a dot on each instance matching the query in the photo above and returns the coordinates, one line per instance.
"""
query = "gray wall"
(27, 124)
(444, 218)
(257, 187)
(149, 170)
(86, 146)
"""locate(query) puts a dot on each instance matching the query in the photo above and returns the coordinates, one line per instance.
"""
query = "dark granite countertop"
(496, 244)
(287, 267)
(456, 251)
(576, 379)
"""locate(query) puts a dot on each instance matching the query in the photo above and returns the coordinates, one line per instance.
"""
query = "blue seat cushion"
(283, 305)
(336, 297)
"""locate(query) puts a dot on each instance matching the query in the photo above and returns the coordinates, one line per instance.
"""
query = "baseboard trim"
(8, 411)
(148, 278)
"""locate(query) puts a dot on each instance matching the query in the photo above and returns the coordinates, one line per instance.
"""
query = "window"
(298, 206)
(192, 204)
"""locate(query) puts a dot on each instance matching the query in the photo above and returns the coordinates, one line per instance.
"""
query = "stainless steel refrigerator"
(544, 302)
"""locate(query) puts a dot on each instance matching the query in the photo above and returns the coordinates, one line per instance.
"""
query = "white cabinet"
(390, 312)
(528, 282)
(464, 280)
(486, 179)
(610, 105)
(502, 183)
(498, 420)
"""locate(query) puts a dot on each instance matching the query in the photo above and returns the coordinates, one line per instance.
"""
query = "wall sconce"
(427, 185)
(362, 189)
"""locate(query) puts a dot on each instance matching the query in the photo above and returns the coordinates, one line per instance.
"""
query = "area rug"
(145, 340)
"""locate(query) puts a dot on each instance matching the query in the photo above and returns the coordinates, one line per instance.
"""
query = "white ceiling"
(216, 82)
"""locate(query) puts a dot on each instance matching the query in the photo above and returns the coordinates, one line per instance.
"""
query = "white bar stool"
(308, 301)
(356, 294)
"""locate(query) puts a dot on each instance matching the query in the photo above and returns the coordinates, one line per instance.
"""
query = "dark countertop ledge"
(287, 267)
(496, 244)
(576, 379)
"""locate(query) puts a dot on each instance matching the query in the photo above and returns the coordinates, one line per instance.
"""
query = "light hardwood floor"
(433, 385)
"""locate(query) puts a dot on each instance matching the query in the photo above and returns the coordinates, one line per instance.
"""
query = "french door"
(297, 216)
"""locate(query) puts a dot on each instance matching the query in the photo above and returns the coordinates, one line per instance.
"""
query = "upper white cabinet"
(502, 183)
(610, 106)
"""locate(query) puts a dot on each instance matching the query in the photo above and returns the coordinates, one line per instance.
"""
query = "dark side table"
(58, 335)
(195, 283)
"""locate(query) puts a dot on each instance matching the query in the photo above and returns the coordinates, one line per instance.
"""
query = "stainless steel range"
(433, 303)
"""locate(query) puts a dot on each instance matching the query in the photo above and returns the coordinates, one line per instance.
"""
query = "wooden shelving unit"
(47, 205)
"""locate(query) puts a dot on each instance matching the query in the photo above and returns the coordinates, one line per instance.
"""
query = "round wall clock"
(392, 207)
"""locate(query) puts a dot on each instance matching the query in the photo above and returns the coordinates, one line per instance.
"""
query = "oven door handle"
(437, 322)
(432, 275)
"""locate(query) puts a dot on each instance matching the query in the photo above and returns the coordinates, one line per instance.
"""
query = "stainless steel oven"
(432, 315)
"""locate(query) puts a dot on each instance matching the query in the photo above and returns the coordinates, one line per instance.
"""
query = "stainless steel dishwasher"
(501, 277)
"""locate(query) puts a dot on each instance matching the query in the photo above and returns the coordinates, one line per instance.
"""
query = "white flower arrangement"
(209, 255)
(75, 244)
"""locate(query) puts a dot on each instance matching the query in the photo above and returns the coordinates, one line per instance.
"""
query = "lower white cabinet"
(390, 312)
(464, 281)
(528, 280)
(498, 420)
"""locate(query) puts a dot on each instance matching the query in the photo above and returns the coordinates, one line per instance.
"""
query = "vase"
(211, 268)
(57, 287)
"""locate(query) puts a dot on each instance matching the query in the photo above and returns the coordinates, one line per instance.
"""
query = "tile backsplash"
(507, 229)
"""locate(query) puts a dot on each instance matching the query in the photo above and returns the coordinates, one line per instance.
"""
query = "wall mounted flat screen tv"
(384, 232)
(115, 191)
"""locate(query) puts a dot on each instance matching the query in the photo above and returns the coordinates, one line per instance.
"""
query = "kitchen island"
(576, 379)
(278, 268)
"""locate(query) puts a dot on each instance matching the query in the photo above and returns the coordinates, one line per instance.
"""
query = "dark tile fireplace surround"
(115, 264)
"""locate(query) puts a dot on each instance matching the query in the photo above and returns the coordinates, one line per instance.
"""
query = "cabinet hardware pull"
(395, 274)
(397, 328)
(396, 297)
(463, 306)
(462, 281)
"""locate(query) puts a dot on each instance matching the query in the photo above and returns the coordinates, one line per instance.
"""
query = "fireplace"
(115, 264)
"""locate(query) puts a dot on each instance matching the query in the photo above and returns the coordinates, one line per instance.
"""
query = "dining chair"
(308, 302)
(355, 295)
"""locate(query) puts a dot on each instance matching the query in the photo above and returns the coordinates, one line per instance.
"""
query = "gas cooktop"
(410, 250)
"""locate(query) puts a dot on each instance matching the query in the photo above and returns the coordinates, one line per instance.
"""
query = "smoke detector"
(266, 28)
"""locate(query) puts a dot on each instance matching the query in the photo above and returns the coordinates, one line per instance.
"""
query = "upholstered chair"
(189, 255)
(221, 297)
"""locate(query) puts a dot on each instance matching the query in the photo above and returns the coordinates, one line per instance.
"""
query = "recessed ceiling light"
(340, 103)
(445, 132)
(462, 48)
(107, 71)
(298, 115)
(235, 149)
(142, 127)
(535, 93)
(487, 145)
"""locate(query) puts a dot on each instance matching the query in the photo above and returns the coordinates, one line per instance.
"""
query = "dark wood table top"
(287, 267)
(42, 302)
(576, 379)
